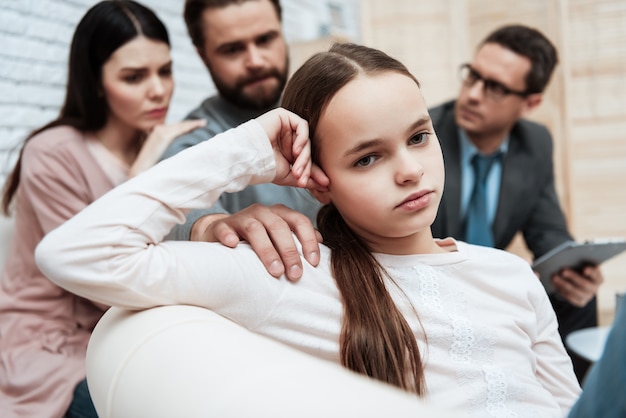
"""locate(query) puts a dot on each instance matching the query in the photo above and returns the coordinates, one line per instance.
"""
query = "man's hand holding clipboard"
(572, 269)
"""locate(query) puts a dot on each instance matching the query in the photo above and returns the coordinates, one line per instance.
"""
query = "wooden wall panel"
(421, 35)
(596, 44)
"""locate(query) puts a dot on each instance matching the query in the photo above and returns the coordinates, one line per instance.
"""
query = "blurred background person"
(110, 128)
(243, 47)
(516, 191)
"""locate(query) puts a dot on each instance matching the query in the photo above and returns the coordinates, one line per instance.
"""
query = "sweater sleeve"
(554, 367)
(113, 251)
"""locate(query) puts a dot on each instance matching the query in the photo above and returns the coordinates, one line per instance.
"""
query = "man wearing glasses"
(499, 169)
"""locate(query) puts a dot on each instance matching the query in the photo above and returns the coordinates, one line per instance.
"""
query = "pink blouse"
(44, 329)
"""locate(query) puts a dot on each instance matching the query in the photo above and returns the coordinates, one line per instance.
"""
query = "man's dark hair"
(533, 45)
(195, 8)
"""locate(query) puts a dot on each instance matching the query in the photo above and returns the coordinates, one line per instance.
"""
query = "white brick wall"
(34, 44)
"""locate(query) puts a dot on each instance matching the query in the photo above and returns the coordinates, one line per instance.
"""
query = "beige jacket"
(44, 329)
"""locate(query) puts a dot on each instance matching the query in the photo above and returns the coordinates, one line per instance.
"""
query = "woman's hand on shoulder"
(289, 136)
(157, 141)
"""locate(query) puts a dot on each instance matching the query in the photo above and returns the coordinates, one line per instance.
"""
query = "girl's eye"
(365, 161)
(419, 138)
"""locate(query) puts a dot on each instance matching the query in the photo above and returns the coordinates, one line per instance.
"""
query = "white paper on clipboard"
(575, 255)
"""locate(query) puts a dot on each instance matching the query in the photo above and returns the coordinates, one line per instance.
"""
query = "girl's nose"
(408, 168)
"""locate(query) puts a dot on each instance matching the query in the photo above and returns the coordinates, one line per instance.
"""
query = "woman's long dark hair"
(376, 339)
(105, 27)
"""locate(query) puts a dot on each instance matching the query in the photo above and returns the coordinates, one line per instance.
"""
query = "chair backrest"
(189, 362)
(6, 233)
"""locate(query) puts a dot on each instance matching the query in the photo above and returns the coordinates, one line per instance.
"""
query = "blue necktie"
(477, 226)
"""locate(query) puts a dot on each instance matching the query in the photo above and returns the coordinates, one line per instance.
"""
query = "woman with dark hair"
(463, 326)
(110, 128)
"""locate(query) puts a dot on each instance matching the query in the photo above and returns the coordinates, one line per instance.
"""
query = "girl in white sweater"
(466, 327)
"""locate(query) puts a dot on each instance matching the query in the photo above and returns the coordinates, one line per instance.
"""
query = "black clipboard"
(576, 255)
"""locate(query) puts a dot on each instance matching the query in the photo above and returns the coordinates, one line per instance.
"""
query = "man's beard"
(236, 95)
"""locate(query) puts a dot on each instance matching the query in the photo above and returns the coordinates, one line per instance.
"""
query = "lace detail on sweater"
(463, 341)
(429, 288)
(497, 393)
(446, 314)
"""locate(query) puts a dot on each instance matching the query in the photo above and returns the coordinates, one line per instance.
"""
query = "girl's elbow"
(52, 260)
(45, 253)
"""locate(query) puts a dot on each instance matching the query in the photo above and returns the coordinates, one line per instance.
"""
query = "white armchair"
(184, 361)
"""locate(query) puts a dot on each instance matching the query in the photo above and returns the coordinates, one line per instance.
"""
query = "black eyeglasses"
(492, 89)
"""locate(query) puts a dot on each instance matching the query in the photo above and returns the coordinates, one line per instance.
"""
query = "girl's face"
(137, 83)
(380, 152)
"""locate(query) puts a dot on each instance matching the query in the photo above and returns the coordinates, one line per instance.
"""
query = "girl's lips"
(416, 201)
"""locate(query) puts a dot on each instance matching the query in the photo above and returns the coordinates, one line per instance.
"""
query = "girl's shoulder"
(506, 266)
(492, 256)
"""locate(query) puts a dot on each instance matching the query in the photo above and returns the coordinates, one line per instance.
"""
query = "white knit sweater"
(493, 347)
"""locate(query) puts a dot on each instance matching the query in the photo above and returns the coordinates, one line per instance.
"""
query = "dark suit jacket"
(527, 201)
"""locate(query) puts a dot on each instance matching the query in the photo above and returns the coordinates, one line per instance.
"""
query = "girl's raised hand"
(289, 137)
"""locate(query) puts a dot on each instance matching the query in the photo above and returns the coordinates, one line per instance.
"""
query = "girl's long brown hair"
(376, 339)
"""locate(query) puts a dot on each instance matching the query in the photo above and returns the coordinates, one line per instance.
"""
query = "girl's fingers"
(318, 176)
(289, 136)
(301, 135)
(300, 149)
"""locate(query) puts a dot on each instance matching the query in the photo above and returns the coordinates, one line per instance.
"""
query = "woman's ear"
(323, 196)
